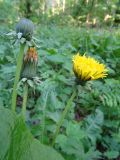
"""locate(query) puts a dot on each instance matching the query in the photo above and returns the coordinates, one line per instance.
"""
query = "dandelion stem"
(65, 111)
(25, 95)
(17, 76)
(43, 117)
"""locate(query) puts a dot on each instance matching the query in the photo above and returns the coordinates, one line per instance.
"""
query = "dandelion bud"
(26, 28)
(30, 63)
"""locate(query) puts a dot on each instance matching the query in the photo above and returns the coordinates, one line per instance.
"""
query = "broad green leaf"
(17, 143)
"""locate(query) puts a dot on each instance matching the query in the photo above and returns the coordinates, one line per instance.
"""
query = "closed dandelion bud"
(30, 63)
(26, 28)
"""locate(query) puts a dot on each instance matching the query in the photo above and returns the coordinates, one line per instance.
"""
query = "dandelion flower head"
(87, 68)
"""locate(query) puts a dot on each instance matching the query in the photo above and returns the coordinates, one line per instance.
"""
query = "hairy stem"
(17, 76)
(25, 95)
(65, 111)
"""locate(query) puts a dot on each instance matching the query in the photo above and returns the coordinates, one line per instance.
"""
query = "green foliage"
(80, 139)
(91, 129)
(17, 141)
(111, 94)
(94, 9)
(8, 12)
(56, 69)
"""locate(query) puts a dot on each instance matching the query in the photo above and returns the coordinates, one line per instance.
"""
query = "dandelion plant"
(24, 32)
(85, 69)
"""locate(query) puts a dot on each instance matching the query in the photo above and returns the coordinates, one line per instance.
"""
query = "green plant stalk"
(43, 119)
(65, 111)
(25, 95)
(17, 76)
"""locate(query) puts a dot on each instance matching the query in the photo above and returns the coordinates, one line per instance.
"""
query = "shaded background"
(93, 13)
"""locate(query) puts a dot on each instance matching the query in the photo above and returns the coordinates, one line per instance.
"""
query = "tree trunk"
(28, 9)
(58, 5)
(63, 5)
(89, 13)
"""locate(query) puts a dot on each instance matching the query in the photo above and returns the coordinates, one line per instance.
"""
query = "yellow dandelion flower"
(87, 68)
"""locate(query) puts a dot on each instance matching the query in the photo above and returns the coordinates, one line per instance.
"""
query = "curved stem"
(65, 111)
(17, 76)
(25, 95)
